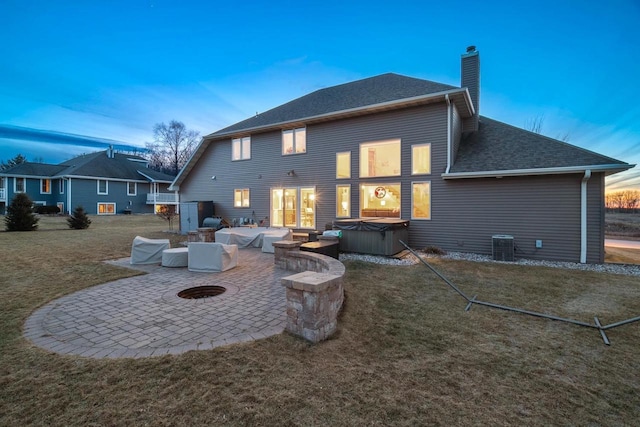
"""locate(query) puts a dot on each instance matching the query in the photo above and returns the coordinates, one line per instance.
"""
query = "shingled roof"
(95, 165)
(497, 146)
(369, 91)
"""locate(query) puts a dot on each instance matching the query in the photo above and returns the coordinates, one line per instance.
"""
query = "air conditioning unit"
(503, 248)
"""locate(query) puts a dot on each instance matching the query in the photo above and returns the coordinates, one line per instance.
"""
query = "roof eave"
(607, 169)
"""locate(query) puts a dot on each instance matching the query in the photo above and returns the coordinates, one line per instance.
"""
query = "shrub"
(434, 250)
(79, 219)
(47, 210)
(20, 216)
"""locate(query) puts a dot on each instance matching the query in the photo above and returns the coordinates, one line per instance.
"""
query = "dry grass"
(625, 226)
(406, 353)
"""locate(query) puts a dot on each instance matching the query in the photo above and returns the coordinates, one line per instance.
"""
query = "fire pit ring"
(200, 292)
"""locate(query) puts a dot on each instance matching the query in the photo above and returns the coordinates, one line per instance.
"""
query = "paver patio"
(142, 316)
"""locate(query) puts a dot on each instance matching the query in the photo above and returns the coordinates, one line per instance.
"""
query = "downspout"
(449, 107)
(583, 216)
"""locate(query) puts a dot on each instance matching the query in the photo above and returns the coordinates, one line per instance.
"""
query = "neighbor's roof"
(501, 149)
(366, 96)
(94, 165)
(33, 169)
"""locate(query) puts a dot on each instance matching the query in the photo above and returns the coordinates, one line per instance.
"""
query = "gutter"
(613, 168)
(583, 216)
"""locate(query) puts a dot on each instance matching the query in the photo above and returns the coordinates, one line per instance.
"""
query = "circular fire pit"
(201, 292)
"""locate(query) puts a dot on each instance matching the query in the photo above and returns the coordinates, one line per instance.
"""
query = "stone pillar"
(280, 250)
(313, 304)
(192, 236)
(206, 234)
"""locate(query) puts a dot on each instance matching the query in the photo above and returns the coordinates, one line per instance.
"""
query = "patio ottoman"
(175, 257)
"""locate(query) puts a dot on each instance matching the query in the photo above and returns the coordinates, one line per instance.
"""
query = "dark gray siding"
(595, 218)
(268, 168)
(467, 212)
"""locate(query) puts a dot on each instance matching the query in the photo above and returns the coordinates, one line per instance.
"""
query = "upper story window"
(241, 198)
(103, 186)
(241, 148)
(420, 159)
(379, 159)
(294, 141)
(19, 185)
(132, 188)
(343, 165)
(45, 186)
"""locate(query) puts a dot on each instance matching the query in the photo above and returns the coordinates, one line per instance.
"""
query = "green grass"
(406, 352)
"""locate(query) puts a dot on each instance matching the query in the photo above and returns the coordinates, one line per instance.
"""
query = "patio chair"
(148, 251)
(212, 257)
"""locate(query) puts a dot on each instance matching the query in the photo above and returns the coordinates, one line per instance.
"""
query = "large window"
(421, 159)
(380, 200)
(343, 165)
(103, 186)
(19, 185)
(45, 186)
(294, 141)
(379, 159)
(132, 188)
(421, 200)
(343, 201)
(241, 198)
(241, 148)
(106, 208)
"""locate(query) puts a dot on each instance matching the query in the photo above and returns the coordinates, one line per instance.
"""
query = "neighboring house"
(103, 183)
(400, 147)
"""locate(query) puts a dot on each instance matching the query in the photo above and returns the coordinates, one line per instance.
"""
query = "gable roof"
(94, 165)
(370, 91)
(374, 94)
(501, 149)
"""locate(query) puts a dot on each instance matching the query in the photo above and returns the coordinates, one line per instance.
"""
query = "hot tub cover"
(370, 224)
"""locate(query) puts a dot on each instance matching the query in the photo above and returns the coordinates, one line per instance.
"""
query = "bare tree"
(534, 125)
(172, 146)
(13, 162)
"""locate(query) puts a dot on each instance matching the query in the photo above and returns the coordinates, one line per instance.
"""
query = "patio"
(142, 316)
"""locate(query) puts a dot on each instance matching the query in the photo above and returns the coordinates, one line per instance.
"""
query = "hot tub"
(375, 236)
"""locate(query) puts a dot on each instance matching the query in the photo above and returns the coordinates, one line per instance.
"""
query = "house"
(103, 183)
(400, 147)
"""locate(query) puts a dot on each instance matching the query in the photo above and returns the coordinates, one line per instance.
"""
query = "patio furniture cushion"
(212, 256)
(246, 237)
(148, 251)
(268, 239)
(175, 257)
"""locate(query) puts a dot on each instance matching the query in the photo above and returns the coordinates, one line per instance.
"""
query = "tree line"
(623, 201)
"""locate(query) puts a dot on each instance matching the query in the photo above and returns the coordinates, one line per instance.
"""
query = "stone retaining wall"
(314, 294)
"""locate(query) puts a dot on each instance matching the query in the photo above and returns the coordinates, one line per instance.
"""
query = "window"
(380, 200)
(241, 148)
(19, 185)
(45, 186)
(294, 141)
(343, 165)
(241, 198)
(343, 201)
(421, 200)
(293, 207)
(132, 189)
(61, 187)
(380, 159)
(106, 208)
(420, 159)
(103, 186)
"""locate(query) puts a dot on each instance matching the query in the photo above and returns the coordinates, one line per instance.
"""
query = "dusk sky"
(76, 76)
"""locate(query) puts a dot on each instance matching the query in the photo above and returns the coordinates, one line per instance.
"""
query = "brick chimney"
(470, 78)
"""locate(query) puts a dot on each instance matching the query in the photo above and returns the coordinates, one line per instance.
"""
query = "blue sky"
(90, 73)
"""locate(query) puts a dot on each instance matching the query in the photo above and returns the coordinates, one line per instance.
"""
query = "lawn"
(624, 226)
(406, 352)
